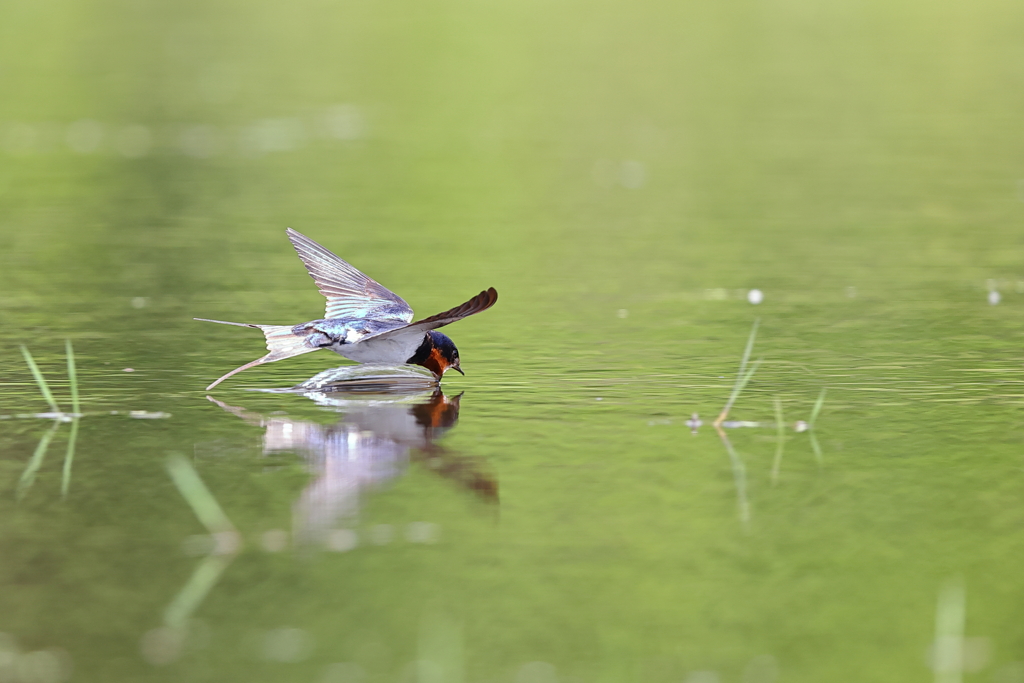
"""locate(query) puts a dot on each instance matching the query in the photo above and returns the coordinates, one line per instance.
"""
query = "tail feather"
(282, 343)
(224, 322)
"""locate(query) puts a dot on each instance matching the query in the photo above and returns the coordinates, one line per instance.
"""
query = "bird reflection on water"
(375, 438)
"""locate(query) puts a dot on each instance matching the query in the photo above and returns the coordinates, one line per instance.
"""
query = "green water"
(623, 174)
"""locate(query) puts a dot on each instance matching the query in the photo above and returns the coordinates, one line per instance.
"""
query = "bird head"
(441, 354)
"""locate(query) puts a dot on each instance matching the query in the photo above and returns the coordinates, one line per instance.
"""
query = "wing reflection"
(371, 444)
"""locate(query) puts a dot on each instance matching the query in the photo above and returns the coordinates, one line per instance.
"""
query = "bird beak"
(456, 367)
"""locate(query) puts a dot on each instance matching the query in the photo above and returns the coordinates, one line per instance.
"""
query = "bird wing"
(350, 294)
(480, 302)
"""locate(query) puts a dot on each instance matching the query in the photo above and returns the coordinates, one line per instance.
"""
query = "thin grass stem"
(198, 496)
(817, 408)
(815, 411)
(192, 594)
(65, 481)
(747, 350)
(741, 383)
(72, 377)
(739, 474)
(742, 375)
(815, 446)
(40, 380)
(35, 462)
(779, 442)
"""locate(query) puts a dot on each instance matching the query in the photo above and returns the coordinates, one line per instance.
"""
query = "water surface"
(624, 175)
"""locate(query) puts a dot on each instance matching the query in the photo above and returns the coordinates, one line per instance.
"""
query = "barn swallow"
(364, 322)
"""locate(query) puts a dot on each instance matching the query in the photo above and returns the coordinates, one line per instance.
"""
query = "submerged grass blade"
(72, 376)
(197, 495)
(817, 408)
(815, 411)
(815, 446)
(65, 482)
(35, 462)
(739, 474)
(780, 440)
(194, 592)
(40, 380)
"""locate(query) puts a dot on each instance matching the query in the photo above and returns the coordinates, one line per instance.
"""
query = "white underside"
(394, 350)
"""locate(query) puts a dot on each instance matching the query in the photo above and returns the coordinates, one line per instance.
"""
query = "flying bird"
(365, 321)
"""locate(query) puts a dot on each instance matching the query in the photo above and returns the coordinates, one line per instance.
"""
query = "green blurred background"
(624, 174)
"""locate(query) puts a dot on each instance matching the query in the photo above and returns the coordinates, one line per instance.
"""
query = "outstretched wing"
(480, 302)
(350, 294)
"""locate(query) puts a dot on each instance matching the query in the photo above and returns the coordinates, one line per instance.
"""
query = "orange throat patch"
(436, 363)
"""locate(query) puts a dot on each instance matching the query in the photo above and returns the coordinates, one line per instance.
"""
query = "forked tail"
(282, 343)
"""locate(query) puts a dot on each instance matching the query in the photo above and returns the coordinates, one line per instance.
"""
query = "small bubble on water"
(227, 542)
(342, 540)
(382, 534)
(633, 175)
(344, 122)
(422, 532)
(994, 297)
(139, 302)
(598, 398)
(851, 292)
(755, 296)
(84, 136)
(716, 294)
(622, 313)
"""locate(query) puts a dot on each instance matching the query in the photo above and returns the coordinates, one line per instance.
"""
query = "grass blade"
(817, 408)
(65, 482)
(743, 375)
(197, 495)
(815, 446)
(39, 379)
(72, 377)
(739, 474)
(815, 411)
(192, 594)
(746, 378)
(780, 440)
(748, 349)
(741, 383)
(35, 462)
